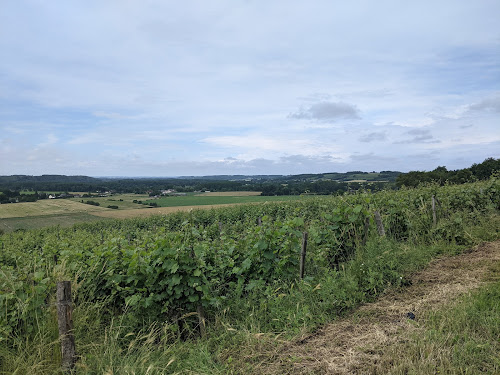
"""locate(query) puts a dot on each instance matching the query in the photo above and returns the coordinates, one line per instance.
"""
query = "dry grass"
(46, 207)
(357, 344)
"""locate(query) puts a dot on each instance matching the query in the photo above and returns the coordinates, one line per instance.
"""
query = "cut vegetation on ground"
(411, 330)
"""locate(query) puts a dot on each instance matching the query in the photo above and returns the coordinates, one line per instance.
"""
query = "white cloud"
(488, 104)
(373, 137)
(253, 145)
(318, 80)
(327, 111)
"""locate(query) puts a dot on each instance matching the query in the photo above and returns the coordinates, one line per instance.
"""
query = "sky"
(196, 87)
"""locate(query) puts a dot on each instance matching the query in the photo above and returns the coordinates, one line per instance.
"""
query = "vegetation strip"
(360, 342)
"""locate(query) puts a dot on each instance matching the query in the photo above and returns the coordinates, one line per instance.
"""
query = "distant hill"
(49, 182)
(47, 178)
(389, 176)
(300, 182)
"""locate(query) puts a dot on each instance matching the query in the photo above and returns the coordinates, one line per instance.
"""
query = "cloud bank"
(165, 88)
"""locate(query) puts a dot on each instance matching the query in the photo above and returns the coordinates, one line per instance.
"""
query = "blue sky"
(169, 88)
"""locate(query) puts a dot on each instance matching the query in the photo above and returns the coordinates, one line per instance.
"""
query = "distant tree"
(485, 169)
(440, 175)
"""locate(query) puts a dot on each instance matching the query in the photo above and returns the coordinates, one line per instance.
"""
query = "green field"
(202, 200)
(66, 212)
(123, 201)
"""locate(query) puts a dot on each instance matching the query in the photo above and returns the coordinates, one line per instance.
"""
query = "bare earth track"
(356, 343)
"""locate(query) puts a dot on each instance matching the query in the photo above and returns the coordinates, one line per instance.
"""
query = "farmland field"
(35, 222)
(150, 211)
(218, 198)
(45, 207)
(66, 212)
(230, 194)
(123, 201)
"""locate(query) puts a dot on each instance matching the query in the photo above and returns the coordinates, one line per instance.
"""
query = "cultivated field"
(123, 201)
(230, 194)
(208, 199)
(36, 222)
(66, 212)
(46, 207)
(128, 214)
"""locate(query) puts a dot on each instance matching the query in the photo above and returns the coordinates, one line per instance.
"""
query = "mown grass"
(45, 207)
(461, 338)
(35, 222)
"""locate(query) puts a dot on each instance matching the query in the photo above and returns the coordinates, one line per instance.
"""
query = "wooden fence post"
(366, 229)
(303, 255)
(380, 225)
(434, 217)
(259, 221)
(65, 324)
(202, 320)
(220, 226)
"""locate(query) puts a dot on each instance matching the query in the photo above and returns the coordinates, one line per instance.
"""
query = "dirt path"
(355, 343)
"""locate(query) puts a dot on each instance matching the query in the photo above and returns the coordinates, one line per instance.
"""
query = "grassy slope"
(45, 207)
(36, 222)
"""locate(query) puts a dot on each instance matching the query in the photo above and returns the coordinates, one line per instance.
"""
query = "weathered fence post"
(202, 320)
(434, 217)
(65, 324)
(366, 229)
(380, 225)
(303, 255)
(220, 226)
(259, 221)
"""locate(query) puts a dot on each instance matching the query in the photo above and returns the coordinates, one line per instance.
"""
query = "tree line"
(441, 175)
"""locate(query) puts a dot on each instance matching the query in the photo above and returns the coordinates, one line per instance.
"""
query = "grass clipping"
(377, 338)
